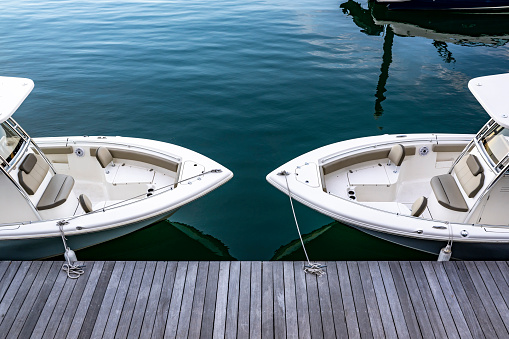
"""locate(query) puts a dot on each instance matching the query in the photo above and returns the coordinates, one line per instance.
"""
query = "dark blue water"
(250, 84)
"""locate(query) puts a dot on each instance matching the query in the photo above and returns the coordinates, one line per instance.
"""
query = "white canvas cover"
(13, 92)
(492, 92)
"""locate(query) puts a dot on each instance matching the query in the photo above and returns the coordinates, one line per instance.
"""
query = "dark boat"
(447, 5)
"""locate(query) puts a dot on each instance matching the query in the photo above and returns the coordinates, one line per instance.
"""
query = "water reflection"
(336, 240)
(164, 240)
(464, 29)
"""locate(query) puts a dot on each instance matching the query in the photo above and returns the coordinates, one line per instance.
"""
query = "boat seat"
(104, 156)
(57, 191)
(397, 154)
(85, 203)
(419, 206)
(470, 175)
(31, 174)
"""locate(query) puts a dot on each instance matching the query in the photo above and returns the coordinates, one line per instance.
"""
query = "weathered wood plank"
(292, 329)
(375, 319)
(141, 300)
(348, 303)
(315, 316)
(199, 300)
(452, 302)
(279, 300)
(86, 313)
(491, 289)
(176, 300)
(394, 302)
(21, 281)
(221, 300)
(7, 278)
(153, 300)
(429, 302)
(301, 300)
(359, 300)
(105, 304)
(325, 307)
(338, 311)
(440, 300)
(232, 307)
(405, 301)
(244, 299)
(74, 300)
(255, 316)
(118, 302)
(187, 300)
(39, 303)
(209, 307)
(382, 301)
(164, 300)
(464, 301)
(4, 266)
(416, 299)
(25, 309)
(267, 301)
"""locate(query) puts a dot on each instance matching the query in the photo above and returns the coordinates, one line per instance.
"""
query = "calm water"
(250, 84)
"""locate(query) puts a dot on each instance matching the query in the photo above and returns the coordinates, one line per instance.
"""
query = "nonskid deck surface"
(190, 299)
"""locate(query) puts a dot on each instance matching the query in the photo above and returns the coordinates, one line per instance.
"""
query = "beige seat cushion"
(470, 174)
(448, 193)
(32, 172)
(85, 203)
(104, 156)
(57, 191)
(419, 206)
(397, 154)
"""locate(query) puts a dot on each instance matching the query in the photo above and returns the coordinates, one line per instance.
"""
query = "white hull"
(126, 196)
(383, 201)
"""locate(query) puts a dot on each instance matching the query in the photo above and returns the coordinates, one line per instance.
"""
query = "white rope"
(312, 268)
(73, 270)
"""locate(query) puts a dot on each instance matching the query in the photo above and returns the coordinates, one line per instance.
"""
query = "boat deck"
(255, 299)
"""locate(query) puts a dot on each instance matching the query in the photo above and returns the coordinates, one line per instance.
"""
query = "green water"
(251, 84)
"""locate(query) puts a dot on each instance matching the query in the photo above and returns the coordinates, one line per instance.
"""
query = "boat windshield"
(10, 142)
(496, 144)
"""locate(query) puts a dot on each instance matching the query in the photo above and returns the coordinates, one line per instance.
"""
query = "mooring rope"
(312, 268)
(73, 270)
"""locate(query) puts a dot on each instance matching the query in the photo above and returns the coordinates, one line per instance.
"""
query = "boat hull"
(305, 183)
(41, 248)
(460, 250)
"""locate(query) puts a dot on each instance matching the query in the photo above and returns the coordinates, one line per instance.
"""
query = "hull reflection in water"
(467, 29)
(336, 241)
(164, 240)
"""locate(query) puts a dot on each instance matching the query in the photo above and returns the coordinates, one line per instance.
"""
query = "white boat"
(89, 188)
(417, 190)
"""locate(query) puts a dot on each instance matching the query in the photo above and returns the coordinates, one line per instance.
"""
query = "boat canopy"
(13, 92)
(492, 93)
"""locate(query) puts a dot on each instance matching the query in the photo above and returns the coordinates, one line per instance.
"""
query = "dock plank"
(255, 316)
(209, 306)
(369, 293)
(199, 300)
(153, 300)
(255, 299)
(105, 304)
(244, 300)
(232, 307)
(187, 300)
(267, 301)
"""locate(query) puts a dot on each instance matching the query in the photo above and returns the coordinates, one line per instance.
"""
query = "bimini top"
(492, 92)
(13, 92)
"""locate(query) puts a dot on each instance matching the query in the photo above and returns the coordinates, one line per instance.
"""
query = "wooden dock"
(255, 300)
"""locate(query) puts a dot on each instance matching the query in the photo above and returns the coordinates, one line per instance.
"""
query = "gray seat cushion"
(448, 193)
(57, 191)
(104, 156)
(85, 203)
(397, 154)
